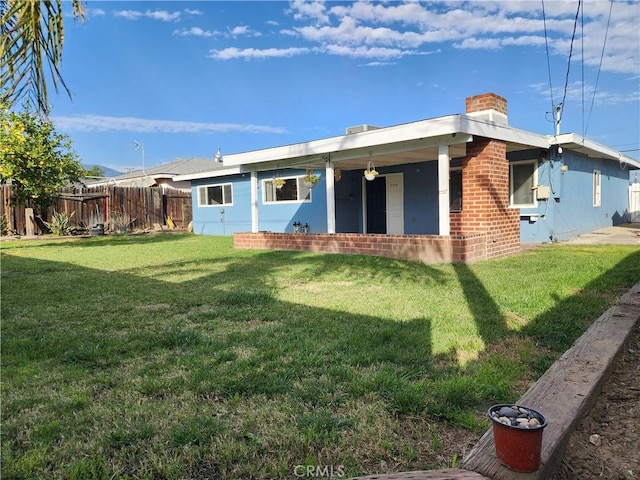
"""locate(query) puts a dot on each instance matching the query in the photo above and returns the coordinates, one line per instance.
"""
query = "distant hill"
(108, 172)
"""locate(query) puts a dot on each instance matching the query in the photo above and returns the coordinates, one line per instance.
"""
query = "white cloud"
(575, 92)
(128, 14)
(315, 11)
(195, 32)
(99, 123)
(162, 15)
(95, 12)
(395, 29)
(367, 52)
(240, 30)
(251, 53)
(377, 64)
(486, 25)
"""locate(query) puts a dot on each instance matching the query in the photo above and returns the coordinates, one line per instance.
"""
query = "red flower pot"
(518, 448)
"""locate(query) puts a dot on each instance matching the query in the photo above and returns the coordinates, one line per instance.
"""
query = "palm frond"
(32, 37)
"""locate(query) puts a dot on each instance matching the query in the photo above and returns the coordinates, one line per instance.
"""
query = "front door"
(384, 204)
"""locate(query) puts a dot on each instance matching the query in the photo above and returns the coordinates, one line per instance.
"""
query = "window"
(455, 190)
(597, 186)
(523, 178)
(213, 195)
(293, 190)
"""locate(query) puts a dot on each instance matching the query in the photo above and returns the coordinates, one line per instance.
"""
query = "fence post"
(30, 221)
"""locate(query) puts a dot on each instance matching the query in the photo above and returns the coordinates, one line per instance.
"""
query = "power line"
(604, 43)
(573, 36)
(546, 43)
(582, 64)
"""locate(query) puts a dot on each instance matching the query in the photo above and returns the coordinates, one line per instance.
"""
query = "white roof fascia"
(399, 147)
(223, 172)
(573, 141)
(481, 128)
(369, 139)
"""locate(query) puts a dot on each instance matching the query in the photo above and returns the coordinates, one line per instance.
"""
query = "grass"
(176, 356)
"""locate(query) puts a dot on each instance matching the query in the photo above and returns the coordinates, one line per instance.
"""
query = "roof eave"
(301, 152)
(572, 141)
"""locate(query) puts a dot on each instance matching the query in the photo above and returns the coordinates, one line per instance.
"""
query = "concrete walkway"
(623, 234)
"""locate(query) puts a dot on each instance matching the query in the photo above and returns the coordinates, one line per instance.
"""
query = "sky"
(183, 79)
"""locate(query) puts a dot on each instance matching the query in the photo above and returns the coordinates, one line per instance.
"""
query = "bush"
(60, 224)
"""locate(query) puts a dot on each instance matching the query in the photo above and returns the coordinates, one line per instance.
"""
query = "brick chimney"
(485, 185)
(488, 107)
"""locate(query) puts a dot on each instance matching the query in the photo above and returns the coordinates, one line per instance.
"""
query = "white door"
(395, 203)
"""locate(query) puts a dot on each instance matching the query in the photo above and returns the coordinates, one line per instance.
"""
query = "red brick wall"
(485, 198)
(424, 248)
(486, 101)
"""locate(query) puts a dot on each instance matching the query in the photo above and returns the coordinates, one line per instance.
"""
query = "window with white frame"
(215, 195)
(523, 177)
(597, 188)
(294, 189)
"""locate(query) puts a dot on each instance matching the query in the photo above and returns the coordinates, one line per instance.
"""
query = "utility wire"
(606, 32)
(573, 36)
(582, 64)
(546, 43)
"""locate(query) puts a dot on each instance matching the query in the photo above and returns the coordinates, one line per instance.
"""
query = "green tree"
(32, 36)
(94, 171)
(35, 159)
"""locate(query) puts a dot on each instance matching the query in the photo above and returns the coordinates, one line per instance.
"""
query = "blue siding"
(280, 217)
(229, 219)
(223, 219)
(570, 211)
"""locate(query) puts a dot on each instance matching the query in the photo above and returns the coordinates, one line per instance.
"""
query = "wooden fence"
(147, 206)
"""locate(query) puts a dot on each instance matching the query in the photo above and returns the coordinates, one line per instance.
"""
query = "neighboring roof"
(180, 166)
(172, 170)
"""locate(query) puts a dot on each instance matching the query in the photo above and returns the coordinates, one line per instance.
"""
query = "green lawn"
(176, 356)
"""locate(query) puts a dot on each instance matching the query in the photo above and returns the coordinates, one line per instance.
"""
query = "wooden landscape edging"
(563, 395)
(446, 474)
(567, 390)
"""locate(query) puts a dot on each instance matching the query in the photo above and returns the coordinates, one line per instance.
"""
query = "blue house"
(460, 187)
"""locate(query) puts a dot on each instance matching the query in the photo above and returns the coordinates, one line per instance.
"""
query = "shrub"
(60, 225)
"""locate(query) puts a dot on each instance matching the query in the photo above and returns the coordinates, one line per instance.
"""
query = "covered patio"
(476, 142)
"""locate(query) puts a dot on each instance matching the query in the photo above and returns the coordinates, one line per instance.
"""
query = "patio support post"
(331, 195)
(444, 221)
(254, 201)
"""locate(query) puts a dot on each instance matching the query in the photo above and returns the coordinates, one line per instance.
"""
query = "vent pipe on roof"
(218, 156)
